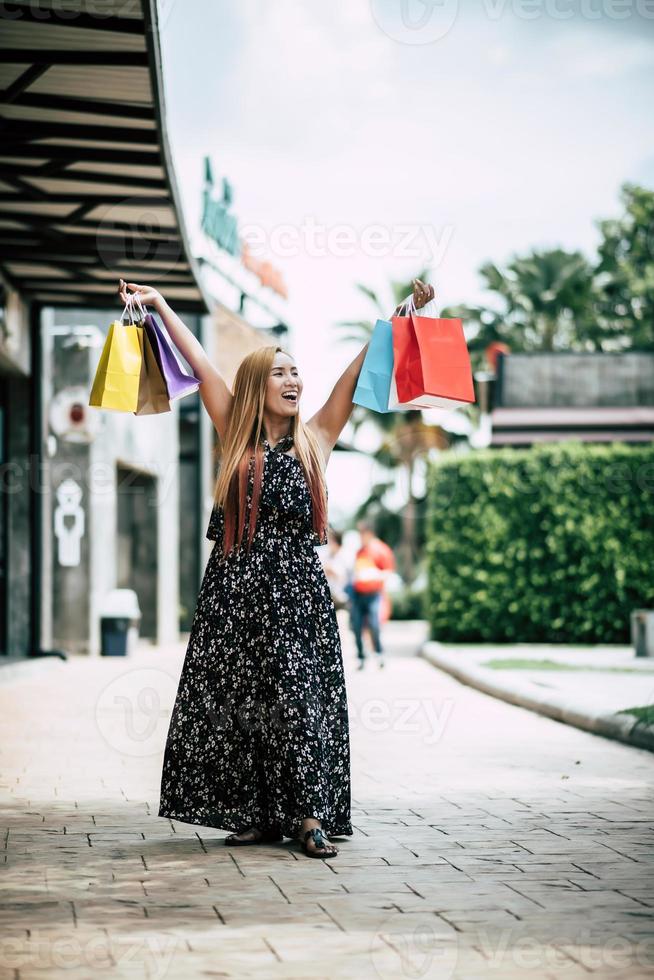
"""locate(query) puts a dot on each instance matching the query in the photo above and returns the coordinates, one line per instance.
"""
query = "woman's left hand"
(422, 293)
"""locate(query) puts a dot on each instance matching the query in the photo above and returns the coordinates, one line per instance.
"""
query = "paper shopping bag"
(431, 363)
(374, 381)
(153, 394)
(178, 382)
(116, 382)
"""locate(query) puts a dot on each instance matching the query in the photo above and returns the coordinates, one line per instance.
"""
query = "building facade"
(593, 397)
(94, 500)
(90, 500)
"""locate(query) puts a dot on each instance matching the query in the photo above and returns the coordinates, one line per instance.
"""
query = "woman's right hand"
(147, 294)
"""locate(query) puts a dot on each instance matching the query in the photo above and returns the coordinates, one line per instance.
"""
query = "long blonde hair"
(243, 440)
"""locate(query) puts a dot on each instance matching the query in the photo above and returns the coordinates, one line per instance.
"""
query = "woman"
(258, 739)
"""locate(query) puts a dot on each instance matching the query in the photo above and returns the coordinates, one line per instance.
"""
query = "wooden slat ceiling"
(87, 188)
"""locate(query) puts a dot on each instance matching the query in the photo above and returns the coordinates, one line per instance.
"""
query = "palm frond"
(370, 293)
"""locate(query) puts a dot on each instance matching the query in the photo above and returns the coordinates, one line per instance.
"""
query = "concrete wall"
(575, 379)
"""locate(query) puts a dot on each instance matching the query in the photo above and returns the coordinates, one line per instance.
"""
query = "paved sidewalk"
(490, 841)
(592, 687)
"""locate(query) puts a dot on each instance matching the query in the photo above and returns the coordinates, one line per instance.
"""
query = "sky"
(367, 139)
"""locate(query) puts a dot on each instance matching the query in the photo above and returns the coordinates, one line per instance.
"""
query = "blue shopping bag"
(374, 381)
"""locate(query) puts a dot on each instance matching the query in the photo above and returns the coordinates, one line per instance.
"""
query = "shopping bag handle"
(408, 306)
(429, 310)
(142, 309)
(129, 309)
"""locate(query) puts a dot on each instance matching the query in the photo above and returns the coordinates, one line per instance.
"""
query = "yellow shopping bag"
(116, 382)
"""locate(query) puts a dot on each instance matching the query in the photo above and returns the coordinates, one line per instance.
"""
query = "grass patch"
(645, 715)
(518, 664)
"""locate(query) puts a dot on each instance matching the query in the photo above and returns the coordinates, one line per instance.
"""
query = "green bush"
(549, 544)
(408, 603)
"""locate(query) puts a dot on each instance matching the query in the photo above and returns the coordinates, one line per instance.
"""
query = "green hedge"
(549, 544)
(408, 603)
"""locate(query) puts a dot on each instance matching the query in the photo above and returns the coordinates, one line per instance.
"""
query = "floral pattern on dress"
(258, 734)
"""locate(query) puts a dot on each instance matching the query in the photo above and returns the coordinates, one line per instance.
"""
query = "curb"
(618, 726)
(21, 668)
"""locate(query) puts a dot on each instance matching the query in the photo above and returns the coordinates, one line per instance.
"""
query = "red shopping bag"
(431, 363)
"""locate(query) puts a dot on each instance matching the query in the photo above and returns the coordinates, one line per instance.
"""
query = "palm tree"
(404, 437)
(546, 302)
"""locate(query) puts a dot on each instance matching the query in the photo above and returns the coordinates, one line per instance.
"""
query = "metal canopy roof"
(87, 188)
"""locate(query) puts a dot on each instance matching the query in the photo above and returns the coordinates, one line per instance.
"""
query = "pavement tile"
(471, 858)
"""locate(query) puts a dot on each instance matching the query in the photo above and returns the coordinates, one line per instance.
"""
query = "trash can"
(642, 632)
(120, 619)
(113, 630)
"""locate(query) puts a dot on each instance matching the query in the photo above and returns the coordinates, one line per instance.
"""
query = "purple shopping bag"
(178, 382)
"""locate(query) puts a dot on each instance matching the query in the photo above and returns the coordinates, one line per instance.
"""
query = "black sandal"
(266, 837)
(321, 845)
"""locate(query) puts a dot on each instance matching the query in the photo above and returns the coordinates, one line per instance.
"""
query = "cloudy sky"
(367, 138)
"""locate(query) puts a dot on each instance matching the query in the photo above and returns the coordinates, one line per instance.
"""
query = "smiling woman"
(258, 741)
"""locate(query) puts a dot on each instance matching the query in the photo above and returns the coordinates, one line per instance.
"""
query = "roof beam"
(59, 103)
(62, 56)
(8, 171)
(56, 284)
(71, 154)
(88, 22)
(50, 168)
(80, 212)
(47, 221)
(81, 241)
(30, 130)
(110, 258)
(28, 190)
(70, 258)
(77, 267)
(25, 79)
(136, 200)
(77, 298)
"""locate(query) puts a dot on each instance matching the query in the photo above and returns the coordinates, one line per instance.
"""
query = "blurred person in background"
(336, 568)
(373, 563)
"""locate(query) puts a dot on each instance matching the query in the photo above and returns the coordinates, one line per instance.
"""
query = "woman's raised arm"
(214, 392)
(329, 421)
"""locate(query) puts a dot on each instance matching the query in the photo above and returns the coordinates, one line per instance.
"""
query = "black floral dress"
(259, 730)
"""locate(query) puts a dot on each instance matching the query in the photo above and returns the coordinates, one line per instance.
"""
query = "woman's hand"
(422, 293)
(147, 294)
(214, 392)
